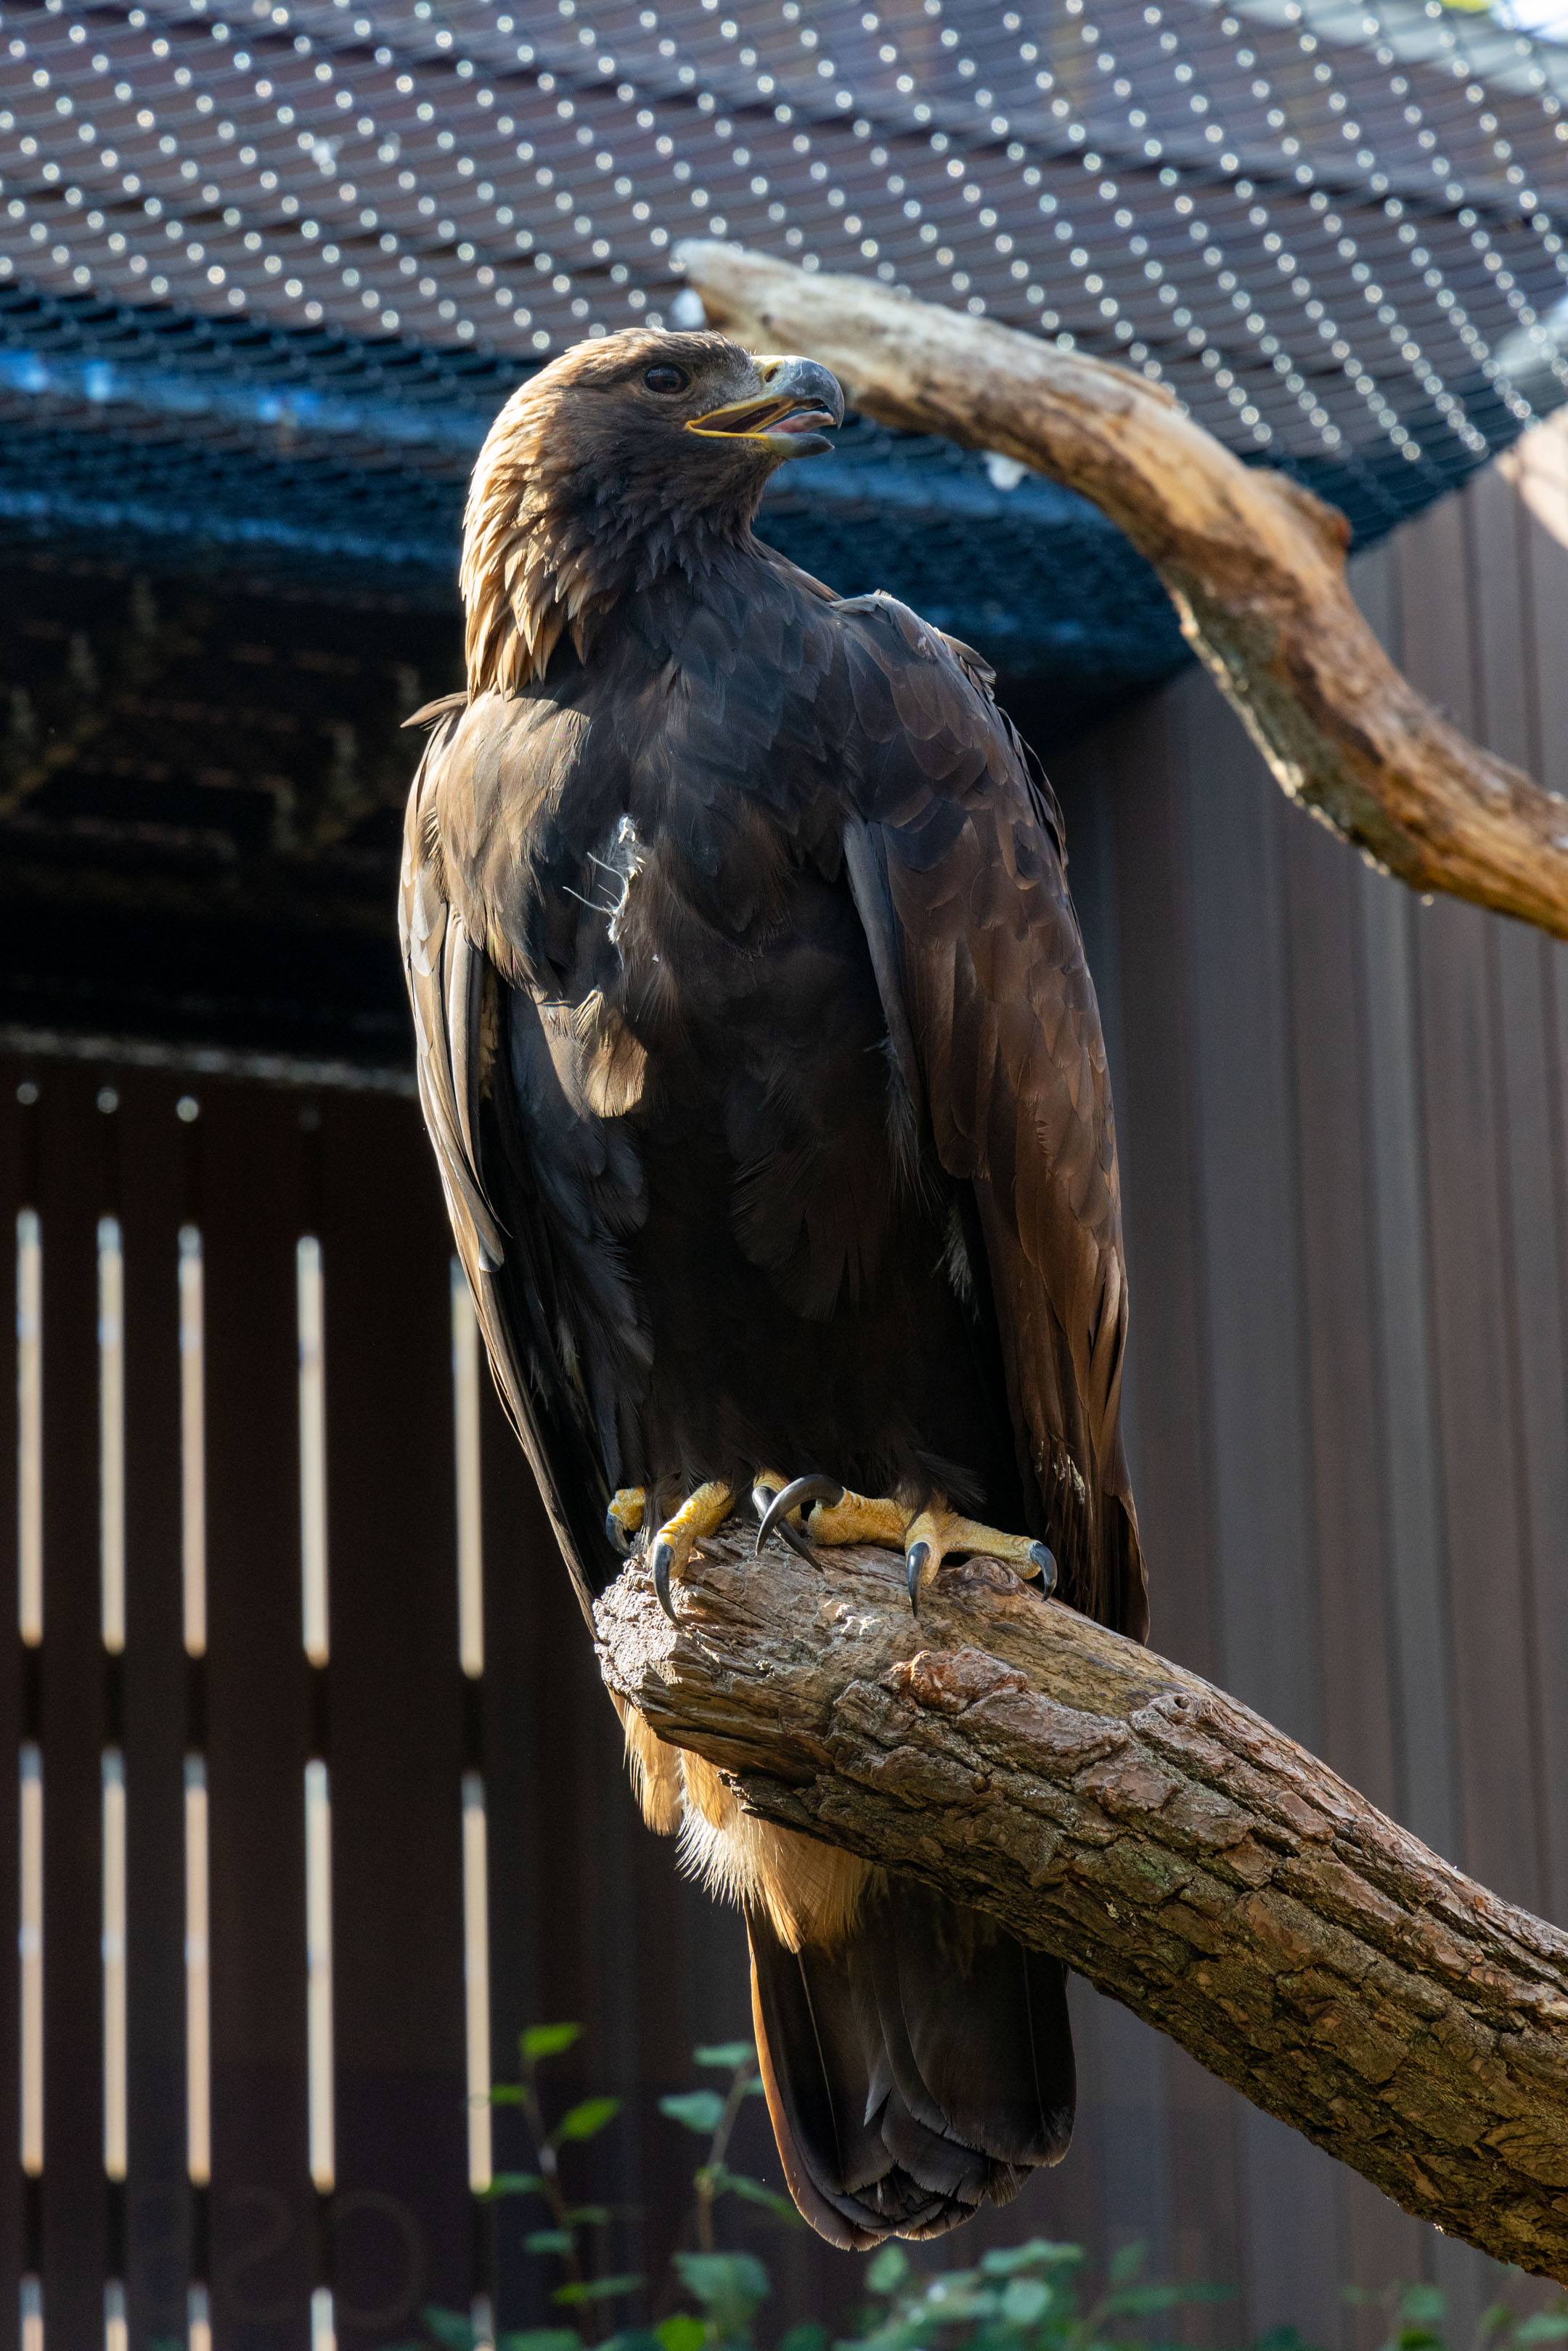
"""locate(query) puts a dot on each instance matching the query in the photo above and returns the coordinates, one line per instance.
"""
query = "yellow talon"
(859, 1518)
(624, 1518)
(938, 1532)
(925, 1539)
(702, 1513)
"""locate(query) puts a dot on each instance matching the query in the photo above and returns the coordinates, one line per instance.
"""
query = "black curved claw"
(663, 1559)
(915, 1563)
(812, 1489)
(617, 1533)
(797, 1543)
(1044, 1562)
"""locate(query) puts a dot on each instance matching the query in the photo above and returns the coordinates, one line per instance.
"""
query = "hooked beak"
(792, 416)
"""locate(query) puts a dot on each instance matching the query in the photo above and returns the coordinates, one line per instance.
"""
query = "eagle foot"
(703, 1512)
(936, 1533)
(926, 1536)
(624, 1518)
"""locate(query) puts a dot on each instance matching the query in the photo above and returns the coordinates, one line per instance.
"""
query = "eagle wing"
(957, 861)
(470, 1098)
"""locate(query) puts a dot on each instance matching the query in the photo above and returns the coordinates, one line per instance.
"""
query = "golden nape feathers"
(561, 498)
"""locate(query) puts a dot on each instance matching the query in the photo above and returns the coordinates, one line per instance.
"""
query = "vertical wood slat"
(321, 2088)
(30, 1790)
(111, 1433)
(31, 1943)
(318, 1967)
(192, 1444)
(115, 2114)
(312, 1452)
(111, 1813)
(192, 1294)
(198, 1985)
(29, 1428)
(470, 1532)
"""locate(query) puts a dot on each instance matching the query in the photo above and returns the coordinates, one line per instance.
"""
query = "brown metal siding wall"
(1341, 1120)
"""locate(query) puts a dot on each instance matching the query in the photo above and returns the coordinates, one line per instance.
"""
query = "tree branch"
(1188, 1859)
(1254, 565)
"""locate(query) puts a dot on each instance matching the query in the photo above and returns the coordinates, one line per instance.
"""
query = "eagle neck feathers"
(555, 535)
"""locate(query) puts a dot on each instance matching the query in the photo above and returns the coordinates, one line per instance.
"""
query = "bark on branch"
(1254, 565)
(1188, 1859)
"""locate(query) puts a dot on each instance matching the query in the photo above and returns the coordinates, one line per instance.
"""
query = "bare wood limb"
(1188, 1859)
(1254, 565)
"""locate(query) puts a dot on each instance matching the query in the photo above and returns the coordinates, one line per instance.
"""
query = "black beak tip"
(810, 384)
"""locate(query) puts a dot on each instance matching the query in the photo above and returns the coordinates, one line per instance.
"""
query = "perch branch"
(1253, 564)
(1189, 1860)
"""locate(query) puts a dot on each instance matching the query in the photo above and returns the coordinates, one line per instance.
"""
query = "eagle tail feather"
(914, 2071)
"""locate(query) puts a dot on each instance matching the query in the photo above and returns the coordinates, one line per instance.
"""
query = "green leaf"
(809, 2337)
(1418, 2338)
(1126, 2265)
(596, 2290)
(507, 2094)
(1144, 2301)
(542, 2339)
(1545, 2326)
(1040, 2252)
(547, 2040)
(701, 2111)
(587, 2120)
(513, 2183)
(1025, 2299)
(1423, 2302)
(755, 2191)
(683, 2333)
(948, 2298)
(730, 2054)
(451, 2327)
(887, 2270)
(548, 2241)
(721, 2280)
(589, 2216)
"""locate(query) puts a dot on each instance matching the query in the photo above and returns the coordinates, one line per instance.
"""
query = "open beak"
(792, 416)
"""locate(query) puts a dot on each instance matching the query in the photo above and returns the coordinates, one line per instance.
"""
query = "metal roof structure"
(266, 271)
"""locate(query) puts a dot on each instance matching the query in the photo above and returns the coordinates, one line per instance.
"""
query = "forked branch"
(1254, 565)
(1186, 1858)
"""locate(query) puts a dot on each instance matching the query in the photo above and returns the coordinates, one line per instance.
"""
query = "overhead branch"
(1188, 1859)
(1254, 565)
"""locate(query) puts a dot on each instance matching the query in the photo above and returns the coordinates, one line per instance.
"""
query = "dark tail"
(920, 2067)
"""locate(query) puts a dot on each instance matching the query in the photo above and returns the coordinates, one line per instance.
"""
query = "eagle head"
(624, 457)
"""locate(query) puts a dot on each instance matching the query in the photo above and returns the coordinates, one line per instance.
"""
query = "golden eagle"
(764, 1071)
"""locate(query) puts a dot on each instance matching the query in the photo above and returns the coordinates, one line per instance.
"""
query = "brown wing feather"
(448, 977)
(967, 839)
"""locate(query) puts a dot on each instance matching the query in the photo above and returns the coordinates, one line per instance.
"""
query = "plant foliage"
(1028, 2297)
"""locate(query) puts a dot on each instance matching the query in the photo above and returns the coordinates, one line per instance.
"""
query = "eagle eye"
(666, 377)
